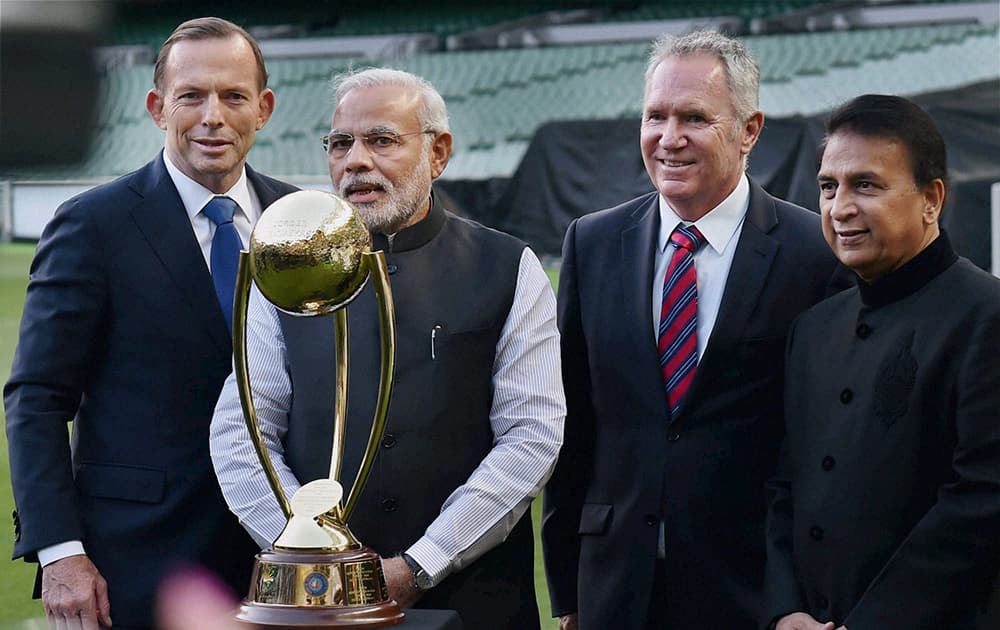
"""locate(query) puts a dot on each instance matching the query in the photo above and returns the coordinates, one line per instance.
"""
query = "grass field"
(17, 577)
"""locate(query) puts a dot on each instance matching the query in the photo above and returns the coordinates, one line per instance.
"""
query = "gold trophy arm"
(240, 303)
(387, 321)
(340, 404)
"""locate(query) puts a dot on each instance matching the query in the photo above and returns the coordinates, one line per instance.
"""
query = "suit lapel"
(165, 225)
(752, 262)
(638, 242)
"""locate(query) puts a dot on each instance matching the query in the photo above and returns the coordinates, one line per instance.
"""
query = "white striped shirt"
(526, 418)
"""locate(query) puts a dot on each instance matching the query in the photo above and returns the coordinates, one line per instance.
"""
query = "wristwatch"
(420, 577)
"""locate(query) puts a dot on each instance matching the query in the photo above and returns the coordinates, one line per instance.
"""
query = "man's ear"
(933, 201)
(440, 153)
(154, 105)
(751, 132)
(266, 107)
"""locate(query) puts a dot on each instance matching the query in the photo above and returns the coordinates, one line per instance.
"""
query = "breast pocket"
(117, 481)
(595, 519)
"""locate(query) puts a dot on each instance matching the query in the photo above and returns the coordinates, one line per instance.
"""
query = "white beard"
(398, 204)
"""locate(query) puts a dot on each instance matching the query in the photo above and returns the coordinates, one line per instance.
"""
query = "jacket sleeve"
(61, 331)
(565, 491)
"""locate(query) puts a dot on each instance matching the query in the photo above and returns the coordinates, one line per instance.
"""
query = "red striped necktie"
(677, 341)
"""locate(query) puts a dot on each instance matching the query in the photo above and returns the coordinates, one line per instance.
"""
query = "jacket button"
(846, 396)
(391, 268)
(863, 330)
(673, 437)
(388, 440)
(389, 505)
(650, 519)
(816, 532)
(829, 462)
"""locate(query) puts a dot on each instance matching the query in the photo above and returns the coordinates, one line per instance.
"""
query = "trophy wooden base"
(307, 589)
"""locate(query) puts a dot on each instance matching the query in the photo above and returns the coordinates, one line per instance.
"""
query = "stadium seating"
(498, 98)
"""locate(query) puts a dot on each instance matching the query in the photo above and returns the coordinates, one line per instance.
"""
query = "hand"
(399, 580)
(75, 594)
(569, 622)
(801, 621)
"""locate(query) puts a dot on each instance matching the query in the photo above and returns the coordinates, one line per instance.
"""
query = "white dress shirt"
(194, 196)
(721, 228)
(526, 418)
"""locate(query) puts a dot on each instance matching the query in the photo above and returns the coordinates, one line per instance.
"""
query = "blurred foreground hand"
(194, 599)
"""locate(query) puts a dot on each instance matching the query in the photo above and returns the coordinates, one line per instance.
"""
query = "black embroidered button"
(389, 505)
(673, 437)
(388, 440)
(650, 519)
(391, 269)
(846, 396)
(816, 532)
(829, 462)
(863, 330)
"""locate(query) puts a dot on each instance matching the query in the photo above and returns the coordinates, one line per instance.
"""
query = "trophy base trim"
(264, 617)
(301, 589)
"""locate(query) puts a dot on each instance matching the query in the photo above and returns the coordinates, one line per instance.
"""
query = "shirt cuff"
(431, 559)
(48, 555)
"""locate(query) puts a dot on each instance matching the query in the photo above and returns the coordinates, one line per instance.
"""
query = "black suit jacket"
(885, 514)
(624, 463)
(122, 332)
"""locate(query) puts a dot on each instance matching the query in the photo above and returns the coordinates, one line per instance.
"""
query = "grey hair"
(742, 70)
(433, 113)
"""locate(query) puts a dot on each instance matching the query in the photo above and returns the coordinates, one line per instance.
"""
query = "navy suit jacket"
(122, 333)
(624, 463)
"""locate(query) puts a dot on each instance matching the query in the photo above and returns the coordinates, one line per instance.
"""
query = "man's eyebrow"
(851, 177)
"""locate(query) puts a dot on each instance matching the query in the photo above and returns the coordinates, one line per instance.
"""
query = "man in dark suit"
(673, 367)
(885, 513)
(125, 333)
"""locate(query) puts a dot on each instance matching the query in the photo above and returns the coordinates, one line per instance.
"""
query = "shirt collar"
(194, 196)
(418, 234)
(928, 264)
(717, 226)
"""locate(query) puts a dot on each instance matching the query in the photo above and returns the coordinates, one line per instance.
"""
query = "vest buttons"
(863, 330)
(389, 505)
(391, 268)
(388, 440)
(816, 533)
(846, 396)
(829, 462)
(673, 437)
(650, 519)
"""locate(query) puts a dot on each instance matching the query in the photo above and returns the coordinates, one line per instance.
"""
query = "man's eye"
(381, 140)
(341, 144)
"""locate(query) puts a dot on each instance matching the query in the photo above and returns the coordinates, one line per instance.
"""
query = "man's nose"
(212, 111)
(672, 135)
(358, 157)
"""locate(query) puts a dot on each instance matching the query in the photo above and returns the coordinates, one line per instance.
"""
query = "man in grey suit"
(673, 310)
(125, 333)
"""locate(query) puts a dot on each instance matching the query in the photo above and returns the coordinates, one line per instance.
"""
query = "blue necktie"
(226, 246)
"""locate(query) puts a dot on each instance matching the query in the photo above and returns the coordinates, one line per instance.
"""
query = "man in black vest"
(477, 411)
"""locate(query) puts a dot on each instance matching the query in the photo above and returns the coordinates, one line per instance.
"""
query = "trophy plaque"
(310, 255)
